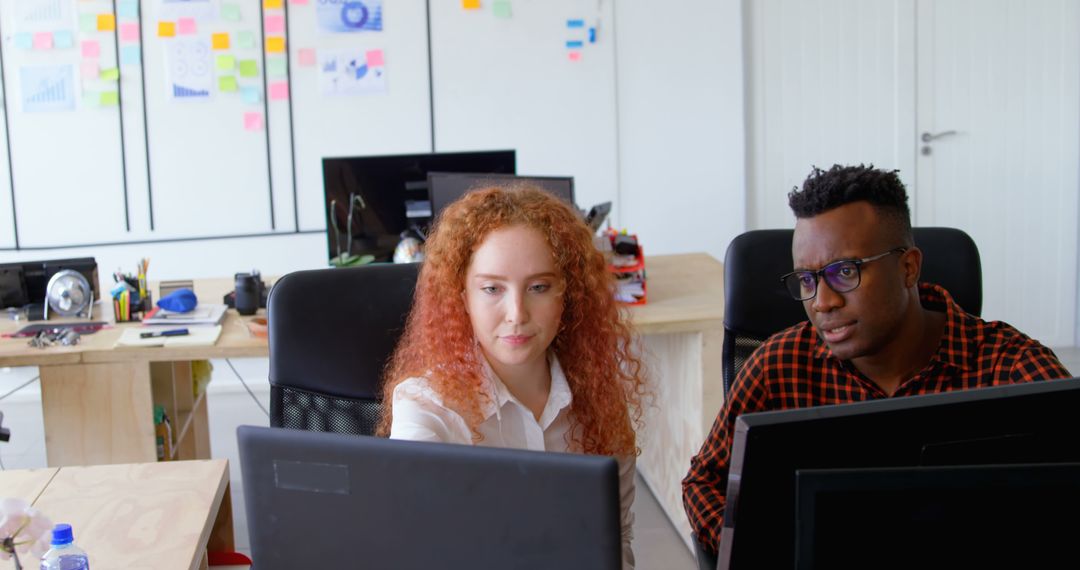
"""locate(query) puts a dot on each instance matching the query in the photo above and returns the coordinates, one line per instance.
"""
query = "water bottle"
(64, 555)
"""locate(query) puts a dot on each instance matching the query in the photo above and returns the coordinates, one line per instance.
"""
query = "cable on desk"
(252, 394)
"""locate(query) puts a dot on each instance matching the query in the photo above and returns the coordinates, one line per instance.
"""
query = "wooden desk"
(151, 515)
(98, 400)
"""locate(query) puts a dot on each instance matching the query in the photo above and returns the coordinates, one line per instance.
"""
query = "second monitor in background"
(446, 187)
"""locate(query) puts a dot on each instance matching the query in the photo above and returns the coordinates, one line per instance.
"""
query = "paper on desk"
(202, 314)
(197, 336)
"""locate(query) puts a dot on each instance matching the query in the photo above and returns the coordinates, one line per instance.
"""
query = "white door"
(999, 101)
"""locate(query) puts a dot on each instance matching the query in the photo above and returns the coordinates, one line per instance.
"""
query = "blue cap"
(61, 534)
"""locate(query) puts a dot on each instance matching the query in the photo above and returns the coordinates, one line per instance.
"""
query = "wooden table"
(98, 400)
(149, 515)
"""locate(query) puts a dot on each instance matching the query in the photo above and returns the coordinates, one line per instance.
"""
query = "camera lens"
(247, 294)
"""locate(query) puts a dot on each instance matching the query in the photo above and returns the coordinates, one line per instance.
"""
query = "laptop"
(326, 500)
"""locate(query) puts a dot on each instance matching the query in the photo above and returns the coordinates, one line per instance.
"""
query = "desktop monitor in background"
(1033, 423)
(986, 516)
(388, 195)
(446, 187)
(327, 500)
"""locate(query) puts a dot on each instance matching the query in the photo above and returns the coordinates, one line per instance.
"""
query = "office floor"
(656, 543)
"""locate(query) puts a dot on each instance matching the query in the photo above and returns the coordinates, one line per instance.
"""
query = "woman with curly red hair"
(515, 338)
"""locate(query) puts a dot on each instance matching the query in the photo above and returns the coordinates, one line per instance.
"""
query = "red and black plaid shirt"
(794, 369)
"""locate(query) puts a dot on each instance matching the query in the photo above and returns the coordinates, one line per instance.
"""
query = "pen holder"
(126, 311)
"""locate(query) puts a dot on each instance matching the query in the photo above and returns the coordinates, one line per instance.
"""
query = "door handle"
(927, 137)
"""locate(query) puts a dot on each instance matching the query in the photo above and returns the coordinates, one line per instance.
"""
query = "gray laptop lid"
(326, 500)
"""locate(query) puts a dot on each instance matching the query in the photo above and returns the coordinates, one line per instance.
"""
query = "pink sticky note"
(306, 57)
(43, 40)
(129, 32)
(89, 69)
(91, 48)
(374, 58)
(253, 121)
(299, 1)
(279, 91)
(275, 24)
(185, 26)
(575, 56)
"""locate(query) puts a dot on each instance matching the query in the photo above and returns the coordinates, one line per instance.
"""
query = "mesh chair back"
(332, 332)
(756, 304)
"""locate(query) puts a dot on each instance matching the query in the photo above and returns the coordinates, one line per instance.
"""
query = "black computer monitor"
(388, 195)
(446, 187)
(328, 500)
(984, 516)
(1016, 424)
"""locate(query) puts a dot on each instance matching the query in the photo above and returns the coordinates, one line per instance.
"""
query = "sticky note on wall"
(470, 4)
(130, 55)
(110, 98)
(245, 40)
(275, 44)
(185, 26)
(253, 121)
(129, 32)
(87, 22)
(275, 24)
(24, 41)
(43, 40)
(110, 74)
(501, 9)
(226, 62)
(230, 12)
(227, 84)
(276, 67)
(273, 4)
(250, 94)
(63, 39)
(166, 29)
(106, 22)
(374, 58)
(219, 41)
(127, 8)
(279, 91)
(91, 48)
(306, 57)
(248, 68)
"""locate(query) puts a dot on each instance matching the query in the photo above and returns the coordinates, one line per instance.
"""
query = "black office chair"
(756, 304)
(331, 333)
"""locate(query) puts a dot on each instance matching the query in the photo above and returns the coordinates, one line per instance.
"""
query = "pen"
(155, 334)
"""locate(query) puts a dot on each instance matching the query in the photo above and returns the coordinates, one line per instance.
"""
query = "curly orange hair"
(594, 345)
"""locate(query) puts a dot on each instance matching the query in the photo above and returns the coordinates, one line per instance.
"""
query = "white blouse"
(419, 414)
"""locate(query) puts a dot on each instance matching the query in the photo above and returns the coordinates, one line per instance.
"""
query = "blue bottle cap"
(61, 535)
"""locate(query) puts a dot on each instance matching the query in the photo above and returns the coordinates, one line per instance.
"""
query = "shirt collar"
(498, 395)
(955, 347)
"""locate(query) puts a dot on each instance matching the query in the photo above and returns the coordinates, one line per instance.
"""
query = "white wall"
(680, 120)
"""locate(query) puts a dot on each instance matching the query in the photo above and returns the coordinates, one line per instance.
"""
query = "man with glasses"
(874, 331)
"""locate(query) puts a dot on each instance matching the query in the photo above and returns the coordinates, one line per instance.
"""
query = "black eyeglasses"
(842, 276)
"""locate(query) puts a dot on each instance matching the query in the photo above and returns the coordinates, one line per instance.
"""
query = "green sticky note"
(87, 22)
(110, 98)
(501, 8)
(91, 98)
(245, 40)
(248, 68)
(276, 67)
(230, 12)
(226, 62)
(110, 74)
(227, 84)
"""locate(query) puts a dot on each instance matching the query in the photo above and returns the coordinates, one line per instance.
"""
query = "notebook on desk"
(197, 336)
(331, 500)
(202, 314)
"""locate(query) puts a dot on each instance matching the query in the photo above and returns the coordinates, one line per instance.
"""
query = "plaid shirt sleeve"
(1036, 362)
(705, 486)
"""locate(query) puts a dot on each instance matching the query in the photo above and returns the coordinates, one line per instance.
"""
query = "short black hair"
(824, 190)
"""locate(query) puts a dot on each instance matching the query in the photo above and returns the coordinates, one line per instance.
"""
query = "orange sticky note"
(106, 22)
(220, 40)
(166, 29)
(470, 4)
(272, 4)
(275, 44)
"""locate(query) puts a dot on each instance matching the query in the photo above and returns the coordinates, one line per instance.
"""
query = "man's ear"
(911, 264)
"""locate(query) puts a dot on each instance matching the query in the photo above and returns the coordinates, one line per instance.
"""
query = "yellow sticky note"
(220, 41)
(166, 29)
(106, 22)
(275, 45)
(110, 74)
(227, 84)
(109, 98)
(226, 62)
(470, 4)
(273, 4)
